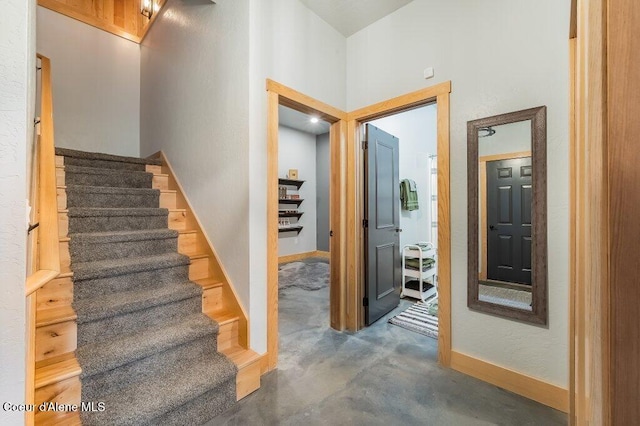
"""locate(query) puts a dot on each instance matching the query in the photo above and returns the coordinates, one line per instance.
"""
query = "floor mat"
(419, 318)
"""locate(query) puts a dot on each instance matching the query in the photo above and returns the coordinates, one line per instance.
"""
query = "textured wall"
(323, 177)
(194, 106)
(501, 56)
(96, 85)
(292, 45)
(17, 97)
(297, 150)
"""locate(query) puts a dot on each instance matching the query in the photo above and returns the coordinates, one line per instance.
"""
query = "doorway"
(346, 214)
(356, 212)
(400, 201)
(281, 96)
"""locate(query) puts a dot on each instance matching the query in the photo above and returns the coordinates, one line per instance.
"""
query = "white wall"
(501, 56)
(17, 97)
(416, 130)
(195, 106)
(297, 150)
(96, 85)
(292, 45)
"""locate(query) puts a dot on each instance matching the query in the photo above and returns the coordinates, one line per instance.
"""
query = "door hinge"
(331, 233)
(365, 301)
(365, 223)
(365, 145)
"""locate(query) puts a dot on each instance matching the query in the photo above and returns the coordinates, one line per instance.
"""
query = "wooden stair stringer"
(231, 300)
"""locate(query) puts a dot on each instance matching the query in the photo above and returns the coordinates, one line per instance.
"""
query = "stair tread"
(111, 267)
(223, 317)
(114, 211)
(240, 356)
(207, 283)
(66, 419)
(133, 301)
(57, 372)
(50, 316)
(199, 255)
(173, 389)
(120, 236)
(66, 152)
(92, 189)
(70, 168)
(103, 356)
(163, 191)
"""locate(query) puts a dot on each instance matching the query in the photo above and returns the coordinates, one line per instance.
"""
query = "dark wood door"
(509, 198)
(382, 213)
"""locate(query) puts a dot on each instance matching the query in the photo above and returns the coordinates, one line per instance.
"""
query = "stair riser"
(157, 316)
(201, 409)
(176, 220)
(199, 269)
(95, 387)
(117, 250)
(228, 335)
(105, 286)
(168, 200)
(151, 199)
(55, 340)
(212, 300)
(248, 380)
(103, 164)
(111, 180)
(189, 243)
(55, 294)
(63, 392)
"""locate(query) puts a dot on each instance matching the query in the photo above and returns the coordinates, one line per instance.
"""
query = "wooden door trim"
(279, 94)
(590, 286)
(354, 207)
(482, 161)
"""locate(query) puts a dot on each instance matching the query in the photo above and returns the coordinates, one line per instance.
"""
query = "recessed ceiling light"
(314, 120)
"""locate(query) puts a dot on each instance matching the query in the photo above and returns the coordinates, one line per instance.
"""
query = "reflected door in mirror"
(509, 220)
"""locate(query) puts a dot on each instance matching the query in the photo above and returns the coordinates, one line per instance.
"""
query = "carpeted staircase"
(144, 346)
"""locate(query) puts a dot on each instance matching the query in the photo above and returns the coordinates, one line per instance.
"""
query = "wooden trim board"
(305, 255)
(591, 326)
(521, 384)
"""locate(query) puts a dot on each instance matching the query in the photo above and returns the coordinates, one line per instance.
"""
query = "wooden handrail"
(47, 256)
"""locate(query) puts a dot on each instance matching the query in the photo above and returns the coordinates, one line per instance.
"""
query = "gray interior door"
(382, 213)
(509, 198)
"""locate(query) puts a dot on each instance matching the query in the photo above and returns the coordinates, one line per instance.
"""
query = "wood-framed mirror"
(507, 206)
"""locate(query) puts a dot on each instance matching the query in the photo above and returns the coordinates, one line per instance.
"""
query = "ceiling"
(299, 121)
(350, 16)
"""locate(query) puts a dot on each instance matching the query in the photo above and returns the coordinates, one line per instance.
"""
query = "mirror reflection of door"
(509, 198)
(382, 201)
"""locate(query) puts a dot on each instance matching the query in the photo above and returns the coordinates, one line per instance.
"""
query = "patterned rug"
(420, 317)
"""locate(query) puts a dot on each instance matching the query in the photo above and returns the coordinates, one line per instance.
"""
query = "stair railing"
(43, 257)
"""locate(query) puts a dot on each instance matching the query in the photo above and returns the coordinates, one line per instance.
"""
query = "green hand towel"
(408, 197)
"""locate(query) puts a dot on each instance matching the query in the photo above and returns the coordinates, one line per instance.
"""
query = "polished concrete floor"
(383, 375)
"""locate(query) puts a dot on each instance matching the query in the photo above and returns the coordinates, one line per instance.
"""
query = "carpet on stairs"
(146, 350)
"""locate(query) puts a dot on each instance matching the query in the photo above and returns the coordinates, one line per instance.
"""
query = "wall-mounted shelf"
(290, 229)
(296, 201)
(290, 182)
(284, 225)
(296, 215)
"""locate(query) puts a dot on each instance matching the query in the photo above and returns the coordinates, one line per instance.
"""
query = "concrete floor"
(383, 375)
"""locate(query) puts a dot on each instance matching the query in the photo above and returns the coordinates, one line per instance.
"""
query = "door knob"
(492, 227)
(398, 229)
